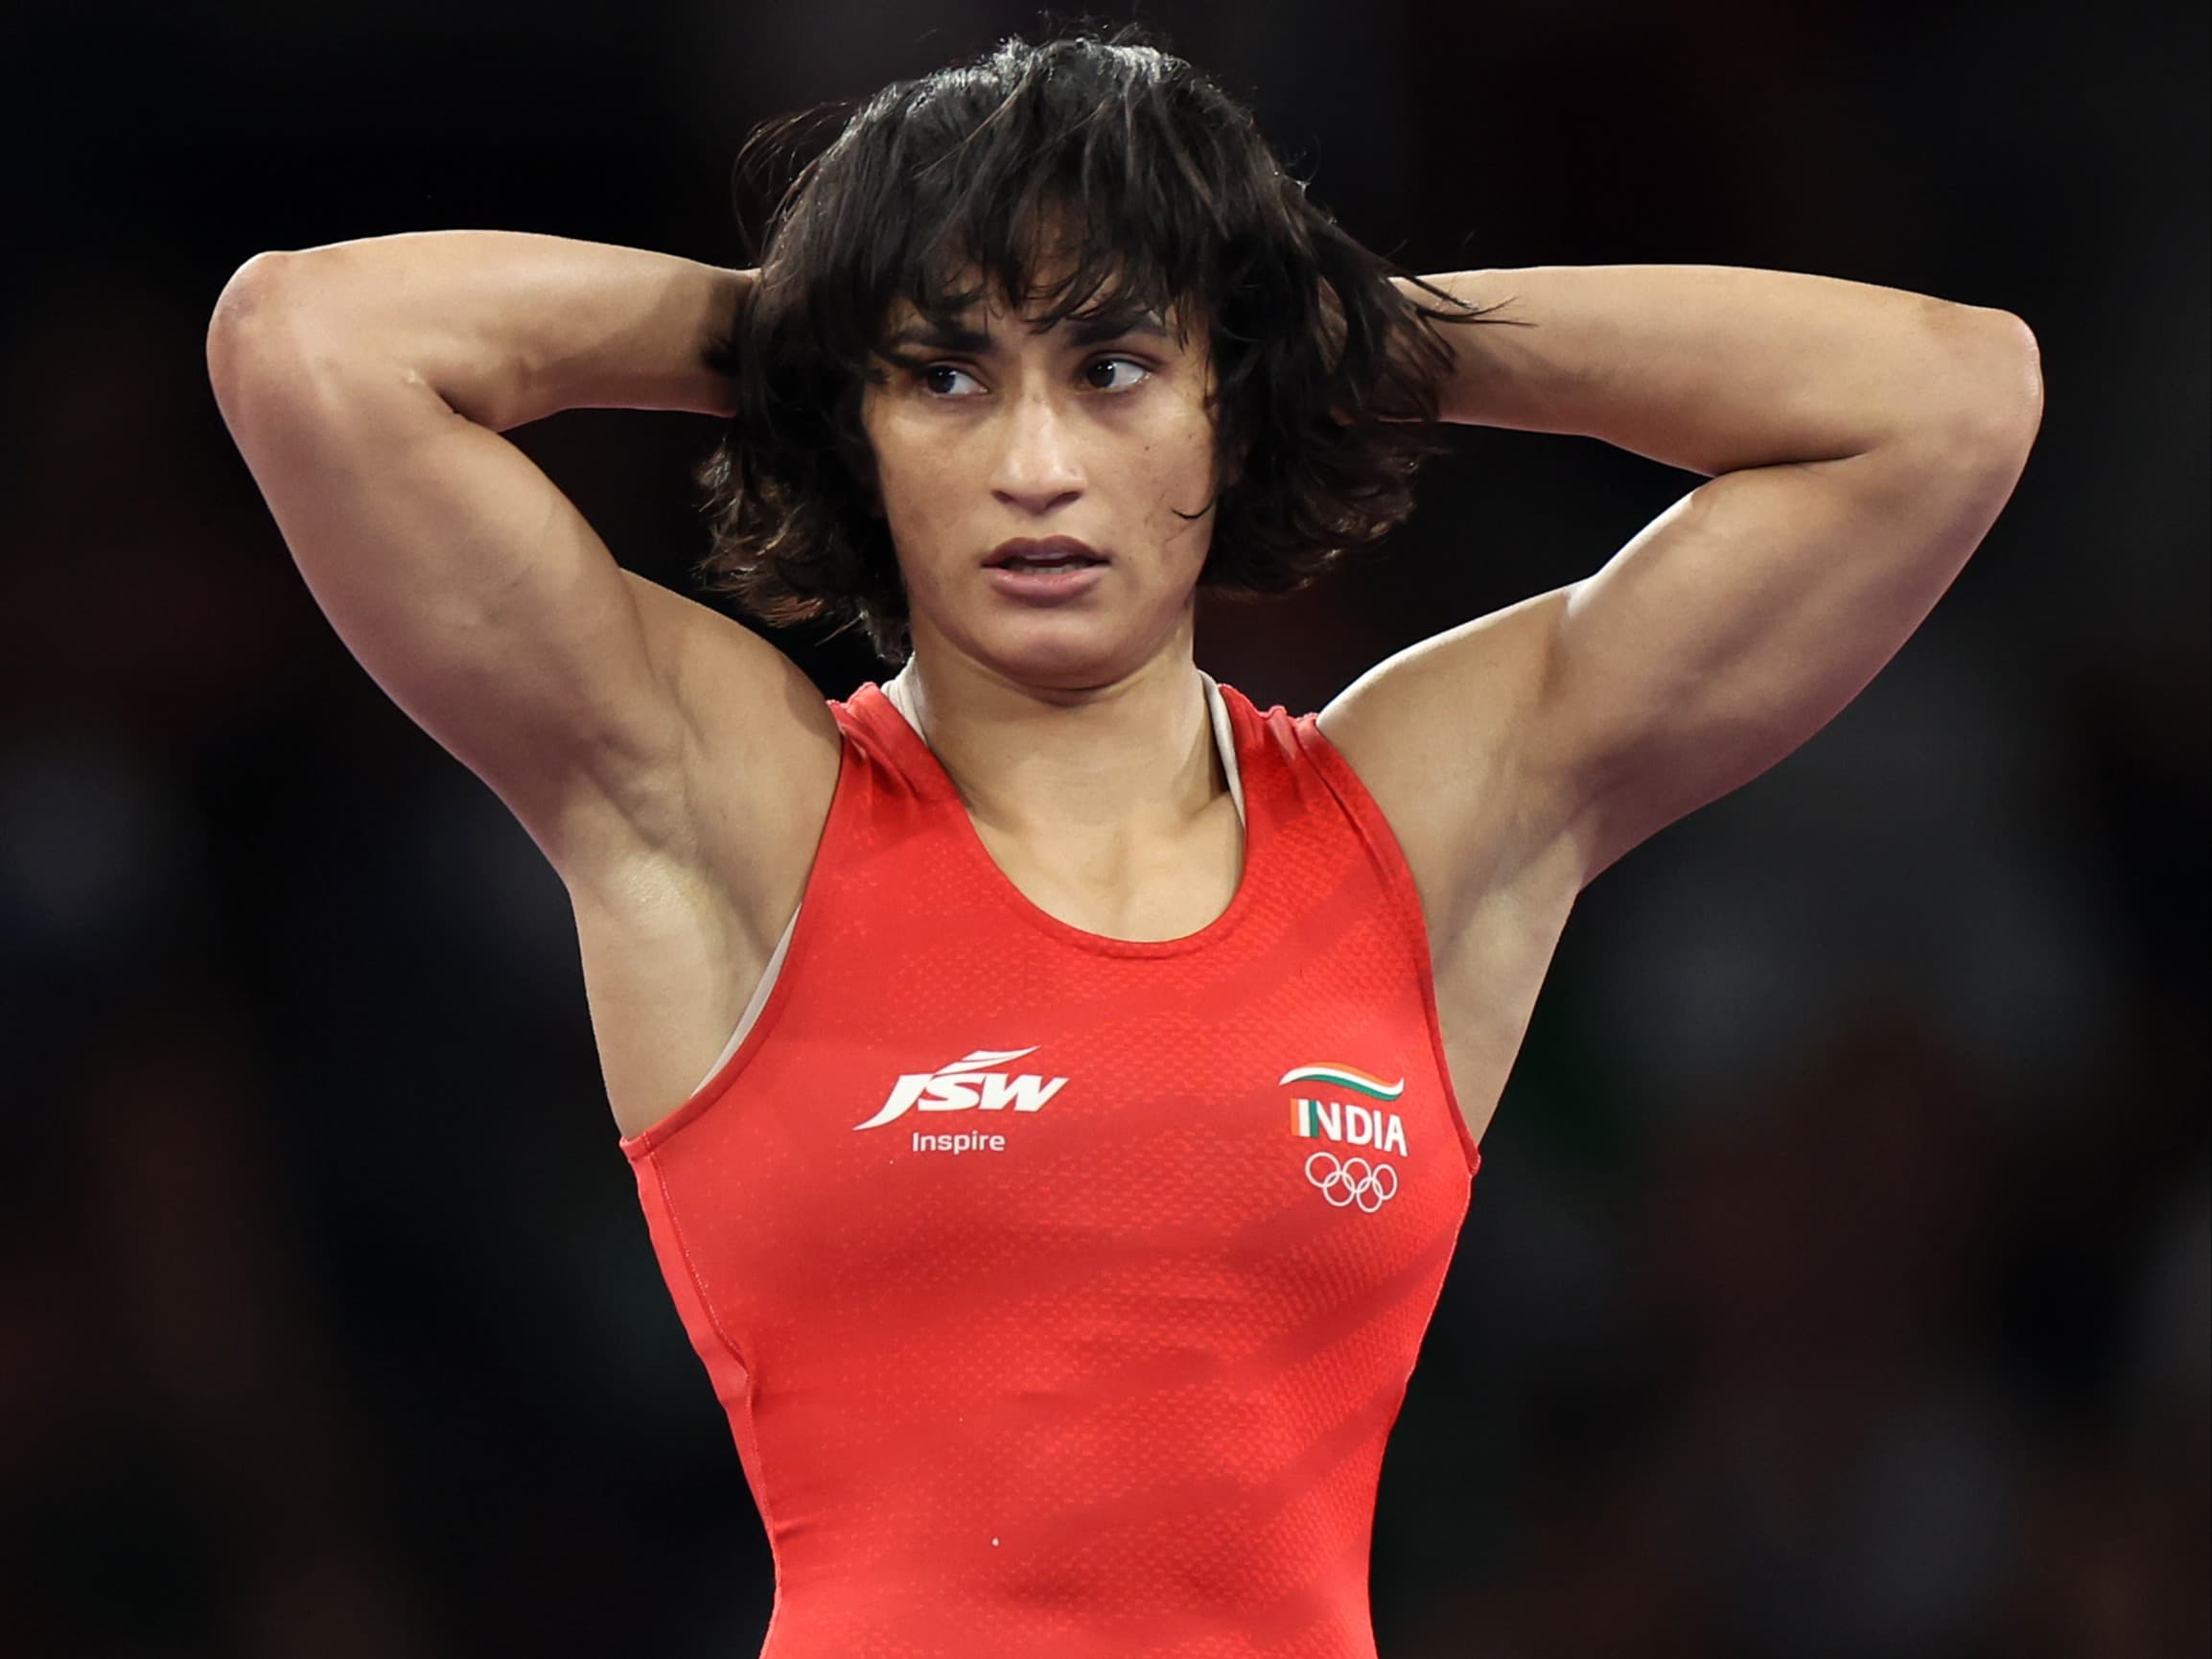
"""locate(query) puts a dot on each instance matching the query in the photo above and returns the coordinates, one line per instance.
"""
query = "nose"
(1037, 468)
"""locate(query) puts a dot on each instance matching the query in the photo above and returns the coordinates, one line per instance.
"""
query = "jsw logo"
(968, 1084)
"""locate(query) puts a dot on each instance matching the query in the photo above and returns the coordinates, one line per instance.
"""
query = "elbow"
(247, 300)
(2019, 368)
(247, 315)
(1999, 377)
(270, 324)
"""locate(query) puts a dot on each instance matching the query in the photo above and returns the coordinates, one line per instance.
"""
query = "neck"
(1136, 754)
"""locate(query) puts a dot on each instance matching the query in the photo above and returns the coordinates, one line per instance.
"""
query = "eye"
(948, 380)
(1115, 373)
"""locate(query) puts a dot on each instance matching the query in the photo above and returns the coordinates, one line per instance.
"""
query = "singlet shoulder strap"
(900, 697)
(865, 712)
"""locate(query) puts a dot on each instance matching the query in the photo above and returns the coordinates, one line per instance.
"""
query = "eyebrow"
(1093, 330)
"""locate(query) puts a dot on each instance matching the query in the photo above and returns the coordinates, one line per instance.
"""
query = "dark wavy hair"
(1141, 186)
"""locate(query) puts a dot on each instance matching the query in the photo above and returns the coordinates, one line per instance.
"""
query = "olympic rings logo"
(1354, 1181)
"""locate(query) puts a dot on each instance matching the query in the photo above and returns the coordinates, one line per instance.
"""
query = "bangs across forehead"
(1036, 268)
(1078, 181)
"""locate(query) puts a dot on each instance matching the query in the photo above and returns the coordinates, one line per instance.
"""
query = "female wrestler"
(1059, 1221)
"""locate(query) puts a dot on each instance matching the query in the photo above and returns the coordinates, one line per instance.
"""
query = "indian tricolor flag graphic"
(1345, 1077)
(1347, 1121)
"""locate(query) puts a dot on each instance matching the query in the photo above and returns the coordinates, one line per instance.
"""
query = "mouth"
(1050, 553)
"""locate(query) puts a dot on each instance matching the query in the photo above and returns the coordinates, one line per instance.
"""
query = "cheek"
(1178, 469)
(914, 483)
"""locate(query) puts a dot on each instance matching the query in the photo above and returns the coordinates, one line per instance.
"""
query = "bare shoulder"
(680, 901)
(741, 812)
(1441, 735)
(1445, 736)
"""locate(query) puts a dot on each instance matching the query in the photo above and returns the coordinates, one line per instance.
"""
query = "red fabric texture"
(1118, 1385)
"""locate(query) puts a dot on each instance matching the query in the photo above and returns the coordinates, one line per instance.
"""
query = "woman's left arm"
(1714, 368)
(1859, 443)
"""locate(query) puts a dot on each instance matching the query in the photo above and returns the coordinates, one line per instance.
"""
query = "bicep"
(1741, 622)
(476, 596)
(1548, 739)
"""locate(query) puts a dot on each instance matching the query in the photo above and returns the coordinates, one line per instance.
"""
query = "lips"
(1044, 553)
(1047, 572)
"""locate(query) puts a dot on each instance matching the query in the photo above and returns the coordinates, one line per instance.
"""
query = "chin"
(1066, 659)
(1064, 651)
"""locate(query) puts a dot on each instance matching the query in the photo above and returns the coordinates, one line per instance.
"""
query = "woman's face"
(1032, 482)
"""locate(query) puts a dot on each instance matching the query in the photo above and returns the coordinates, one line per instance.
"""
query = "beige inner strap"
(903, 699)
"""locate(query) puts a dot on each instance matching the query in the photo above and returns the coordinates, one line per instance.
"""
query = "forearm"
(1714, 368)
(504, 326)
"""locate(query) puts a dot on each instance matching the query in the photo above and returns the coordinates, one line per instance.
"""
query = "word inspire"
(967, 1085)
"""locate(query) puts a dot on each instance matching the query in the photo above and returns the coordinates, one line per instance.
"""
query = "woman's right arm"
(366, 385)
(506, 327)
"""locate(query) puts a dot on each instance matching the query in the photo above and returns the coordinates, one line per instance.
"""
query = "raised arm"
(366, 383)
(1859, 442)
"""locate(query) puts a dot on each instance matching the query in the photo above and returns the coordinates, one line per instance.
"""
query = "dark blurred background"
(1836, 1282)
